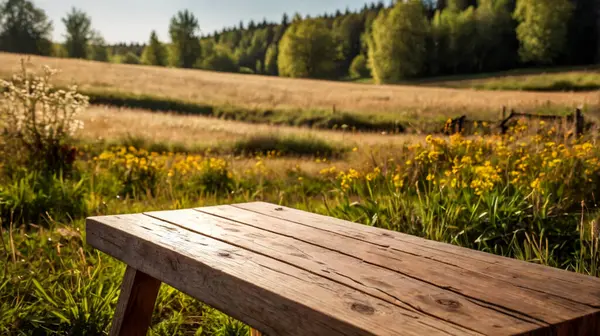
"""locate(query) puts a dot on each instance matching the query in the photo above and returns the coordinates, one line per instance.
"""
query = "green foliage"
(271, 67)
(220, 59)
(214, 177)
(496, 37)
(287, 145)
(347, 31)
(397, 44)
(59, 50)
(307, 49)
(24, 28)
(32, 197)
(129, 58)
(97, 49)
(79, 33)
(359, 67)
(542, 29)
(185, 47)
(155, 53)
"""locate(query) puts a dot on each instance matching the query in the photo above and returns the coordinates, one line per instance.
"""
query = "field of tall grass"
(530, 194)
(288, 101)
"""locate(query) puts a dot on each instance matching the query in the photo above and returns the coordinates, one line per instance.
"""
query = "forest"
(388, 42)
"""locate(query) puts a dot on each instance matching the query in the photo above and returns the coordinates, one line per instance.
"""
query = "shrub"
(221, 60)
(129, 58)
(359, 68)
(34, 196)
(289, 145)
(246, 70)
(214, 176)
(38, 122)
(135, 169)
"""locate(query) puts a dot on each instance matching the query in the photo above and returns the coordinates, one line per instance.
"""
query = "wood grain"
(136, 303)
(376, 281)
(271, 296)
(583, 288)
(486, 290)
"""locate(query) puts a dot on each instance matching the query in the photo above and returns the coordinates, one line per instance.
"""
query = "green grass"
(558, 79)
(288, 146)
(282, 145)
(52, 283)
(531, 79)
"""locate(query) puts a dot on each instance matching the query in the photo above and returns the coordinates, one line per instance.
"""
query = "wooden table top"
(290, 272)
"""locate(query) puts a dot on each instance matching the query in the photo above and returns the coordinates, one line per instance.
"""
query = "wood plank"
(504, 296)
(271, 296)
(350, 271)
(136, 304)
(583, 288)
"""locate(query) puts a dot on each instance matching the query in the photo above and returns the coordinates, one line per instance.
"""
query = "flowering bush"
(140, 171)
(136, 170)
(38, 121)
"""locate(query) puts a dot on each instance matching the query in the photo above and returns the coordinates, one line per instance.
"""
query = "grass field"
(549, 80)
(530, 194)
(262, 93)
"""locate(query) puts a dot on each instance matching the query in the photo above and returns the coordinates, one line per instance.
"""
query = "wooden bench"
(288, 272)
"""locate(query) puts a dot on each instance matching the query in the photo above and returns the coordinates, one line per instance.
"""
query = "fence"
(575, 121)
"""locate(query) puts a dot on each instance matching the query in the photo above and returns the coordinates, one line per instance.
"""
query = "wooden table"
(288, 272)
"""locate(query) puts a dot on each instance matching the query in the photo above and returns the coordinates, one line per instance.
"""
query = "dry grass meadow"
(262, 92)
(105, 123)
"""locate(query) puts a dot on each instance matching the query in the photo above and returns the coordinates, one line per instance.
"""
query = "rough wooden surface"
(273, 297)
(289, 272)
(136, 303)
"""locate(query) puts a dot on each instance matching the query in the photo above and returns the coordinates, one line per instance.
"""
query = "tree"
(397, 43)
(347, 31)
(359, 68)
(270, 63)
(185, 42)
(542, 29)
(24, 28)
(79, 33)
(220, 60)
(307, 49)
(497, 42)
(130, 58)
(155, 53)
(97, 49)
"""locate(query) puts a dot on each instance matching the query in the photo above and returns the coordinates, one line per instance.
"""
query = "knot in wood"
(363, 309)
(449, 303)
(224, 254)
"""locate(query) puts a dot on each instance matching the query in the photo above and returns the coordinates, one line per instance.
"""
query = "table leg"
(136, 303)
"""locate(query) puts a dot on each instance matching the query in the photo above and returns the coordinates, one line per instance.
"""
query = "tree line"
(393, 42)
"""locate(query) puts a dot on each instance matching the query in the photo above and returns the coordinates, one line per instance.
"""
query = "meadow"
(530, 194)
(301, 102)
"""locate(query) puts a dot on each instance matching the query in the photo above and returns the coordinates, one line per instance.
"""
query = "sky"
(133, 20)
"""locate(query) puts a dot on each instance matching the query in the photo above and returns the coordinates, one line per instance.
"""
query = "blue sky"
(133, 20)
